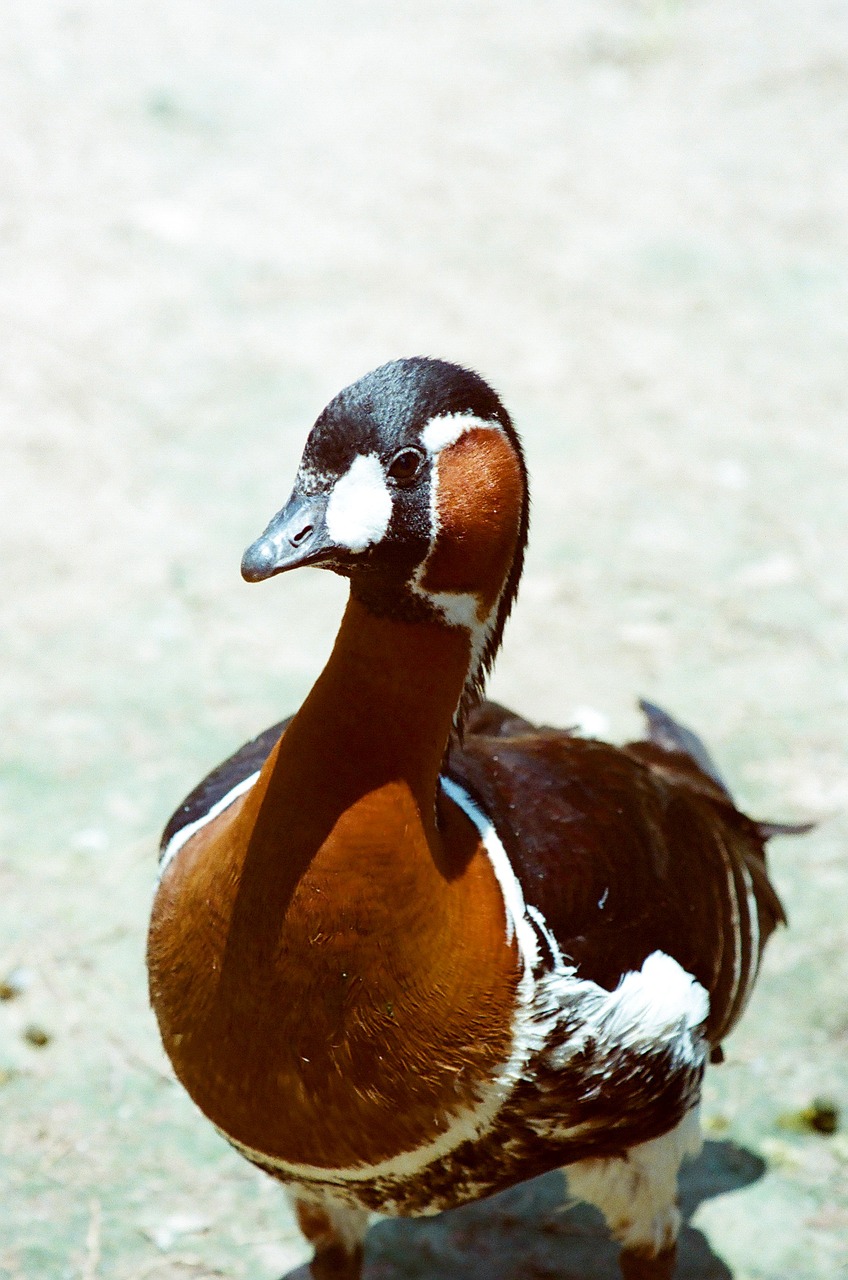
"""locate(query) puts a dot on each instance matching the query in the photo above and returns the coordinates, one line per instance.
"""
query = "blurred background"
(631, 216)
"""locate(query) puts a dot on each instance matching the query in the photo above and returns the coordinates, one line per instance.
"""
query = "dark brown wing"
(495, 721)
(627, 851)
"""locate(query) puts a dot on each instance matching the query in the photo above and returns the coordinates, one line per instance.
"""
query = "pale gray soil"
(633, 218)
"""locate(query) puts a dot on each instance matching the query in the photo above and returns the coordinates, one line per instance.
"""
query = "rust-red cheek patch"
(478, 504)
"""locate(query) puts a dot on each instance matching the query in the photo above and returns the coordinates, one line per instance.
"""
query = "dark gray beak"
(296, 536)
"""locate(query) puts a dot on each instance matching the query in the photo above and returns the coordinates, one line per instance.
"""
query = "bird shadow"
(530, 1232)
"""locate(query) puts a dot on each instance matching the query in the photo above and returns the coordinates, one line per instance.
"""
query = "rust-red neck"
(382, 708)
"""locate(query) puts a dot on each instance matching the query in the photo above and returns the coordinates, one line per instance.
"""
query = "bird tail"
(669, 735)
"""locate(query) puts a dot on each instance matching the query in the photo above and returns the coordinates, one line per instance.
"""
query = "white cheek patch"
(360, 505)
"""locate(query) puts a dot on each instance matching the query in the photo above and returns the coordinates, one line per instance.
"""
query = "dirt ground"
(633, 218)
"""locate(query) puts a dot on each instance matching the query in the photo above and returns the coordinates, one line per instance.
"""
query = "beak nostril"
(294, 537)
(297, 538)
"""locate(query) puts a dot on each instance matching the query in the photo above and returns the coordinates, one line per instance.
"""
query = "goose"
(408, 948)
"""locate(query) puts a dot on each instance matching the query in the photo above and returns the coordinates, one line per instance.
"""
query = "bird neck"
(381, 710)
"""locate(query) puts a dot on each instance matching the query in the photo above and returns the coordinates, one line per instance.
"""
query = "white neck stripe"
(445, 430)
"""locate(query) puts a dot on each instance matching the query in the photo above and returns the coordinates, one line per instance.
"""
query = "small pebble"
(37, 1036)
(821, 1116)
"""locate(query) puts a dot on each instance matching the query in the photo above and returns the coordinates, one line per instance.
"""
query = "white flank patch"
(658, 1005)
(185, 833)
(360, 505)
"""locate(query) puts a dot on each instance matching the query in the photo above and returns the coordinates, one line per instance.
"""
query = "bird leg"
(335, 1229)
(636, 1265)
(334, 1263)
(637, 1194)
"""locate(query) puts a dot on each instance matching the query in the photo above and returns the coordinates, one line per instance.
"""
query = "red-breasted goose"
(407, 948)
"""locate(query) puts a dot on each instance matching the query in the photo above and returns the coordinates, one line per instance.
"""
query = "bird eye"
(405, 465)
